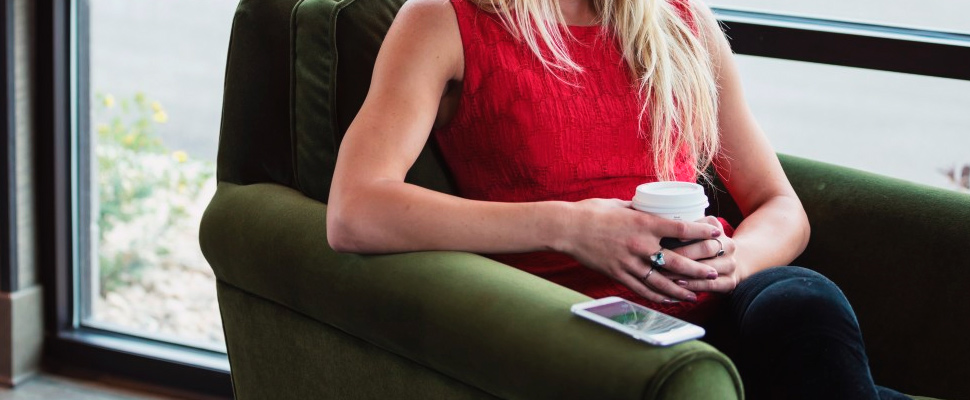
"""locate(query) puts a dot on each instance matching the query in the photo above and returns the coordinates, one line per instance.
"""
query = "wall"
(21, 312)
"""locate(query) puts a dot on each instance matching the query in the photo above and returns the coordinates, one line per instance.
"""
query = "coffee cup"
(678, 201)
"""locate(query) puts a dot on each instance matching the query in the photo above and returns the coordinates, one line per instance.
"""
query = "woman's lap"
(792, 334)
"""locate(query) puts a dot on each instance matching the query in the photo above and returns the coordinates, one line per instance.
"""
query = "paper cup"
(679, 201)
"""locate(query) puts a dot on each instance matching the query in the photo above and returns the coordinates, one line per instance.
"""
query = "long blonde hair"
(670, 63)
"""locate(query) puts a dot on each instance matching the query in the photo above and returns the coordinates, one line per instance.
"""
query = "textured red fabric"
(522, 133)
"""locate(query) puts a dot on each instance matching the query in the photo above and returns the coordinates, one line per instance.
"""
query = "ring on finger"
(657, 259)
(644, 279)
(720, 252)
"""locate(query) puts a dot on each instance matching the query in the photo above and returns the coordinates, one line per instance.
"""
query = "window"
(906, 126)
(943, 15)
(150, 100)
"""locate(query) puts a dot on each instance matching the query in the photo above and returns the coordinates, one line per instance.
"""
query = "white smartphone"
(642, 323)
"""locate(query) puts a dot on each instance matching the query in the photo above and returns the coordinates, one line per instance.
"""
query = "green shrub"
(144, 187)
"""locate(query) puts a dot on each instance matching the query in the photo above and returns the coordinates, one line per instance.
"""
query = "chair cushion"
(334, 45)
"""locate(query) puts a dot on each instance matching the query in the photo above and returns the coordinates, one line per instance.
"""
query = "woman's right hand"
(608, 236)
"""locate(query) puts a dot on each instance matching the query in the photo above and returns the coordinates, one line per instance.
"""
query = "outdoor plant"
(143, 187)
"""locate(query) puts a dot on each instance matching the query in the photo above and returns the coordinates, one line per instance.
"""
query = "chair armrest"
(901, 253)
(484, 323)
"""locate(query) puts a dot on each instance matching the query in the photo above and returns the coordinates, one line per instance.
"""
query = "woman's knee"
(794, 297)
(786, 282)
(779, 274)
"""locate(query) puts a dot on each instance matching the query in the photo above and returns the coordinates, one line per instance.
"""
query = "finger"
(704, 249)
(673, 275)
(640, 288)
(685, 230)
(652, 279)
(723, 265)
(679, 264)
(713, 221)
(678, 279)
(721, 285)
(663, 285)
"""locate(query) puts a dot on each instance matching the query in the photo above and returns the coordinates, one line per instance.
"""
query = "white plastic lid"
(670, 195)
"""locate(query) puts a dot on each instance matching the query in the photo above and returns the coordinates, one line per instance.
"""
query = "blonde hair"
(670, 63)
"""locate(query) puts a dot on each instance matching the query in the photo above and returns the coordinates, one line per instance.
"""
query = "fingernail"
(712, 275)
(716, 233)
(681, 283)
(692, 298)
(666, 301)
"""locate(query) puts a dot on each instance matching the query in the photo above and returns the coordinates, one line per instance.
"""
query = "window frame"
(70, 347)
(847, 44)
(9, 268)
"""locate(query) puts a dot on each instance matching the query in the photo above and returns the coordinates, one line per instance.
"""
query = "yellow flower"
(109, 101)
(156, 106)
(180, 156)
(160, 117)
(103, 129)
(129, 139)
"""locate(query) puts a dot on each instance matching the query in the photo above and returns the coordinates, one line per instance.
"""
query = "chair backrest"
(297, 74)
(254, 142)
(335, 44)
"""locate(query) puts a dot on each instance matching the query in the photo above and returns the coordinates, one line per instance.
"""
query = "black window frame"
(9, 269)
(69, 347)
(848, 44)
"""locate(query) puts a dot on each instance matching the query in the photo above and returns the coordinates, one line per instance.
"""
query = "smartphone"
(642, 323)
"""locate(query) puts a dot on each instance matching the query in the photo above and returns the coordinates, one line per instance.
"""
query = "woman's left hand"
(718, 253)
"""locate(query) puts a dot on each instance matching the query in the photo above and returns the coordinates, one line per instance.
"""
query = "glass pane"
(154, 79)
(906, 126)
(940, 15)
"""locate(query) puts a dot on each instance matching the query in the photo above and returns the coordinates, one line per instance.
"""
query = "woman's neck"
(578, 12)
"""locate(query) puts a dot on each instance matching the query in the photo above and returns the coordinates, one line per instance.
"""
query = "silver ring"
(647, 275)
(721, 251)
(657, 259)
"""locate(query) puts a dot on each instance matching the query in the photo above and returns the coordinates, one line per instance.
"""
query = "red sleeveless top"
(522, 133)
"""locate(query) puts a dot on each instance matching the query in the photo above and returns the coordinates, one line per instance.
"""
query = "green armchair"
(303, 321)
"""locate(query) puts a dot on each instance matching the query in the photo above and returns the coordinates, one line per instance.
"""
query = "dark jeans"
(793, 335)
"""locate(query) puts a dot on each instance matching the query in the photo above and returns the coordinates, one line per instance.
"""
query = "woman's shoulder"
(461, 26)
(424, 35)
(431, 21)
(696, 10)
(691, 5)
(426, 13)
(700, 18)
(436, 21)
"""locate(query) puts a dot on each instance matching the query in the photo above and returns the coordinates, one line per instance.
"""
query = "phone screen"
(637, 317)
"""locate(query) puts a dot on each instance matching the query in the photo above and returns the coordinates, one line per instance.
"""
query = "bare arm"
(372, 210)
(775, 229)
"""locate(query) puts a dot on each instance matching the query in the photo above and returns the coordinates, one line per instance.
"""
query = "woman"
(547, 113)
